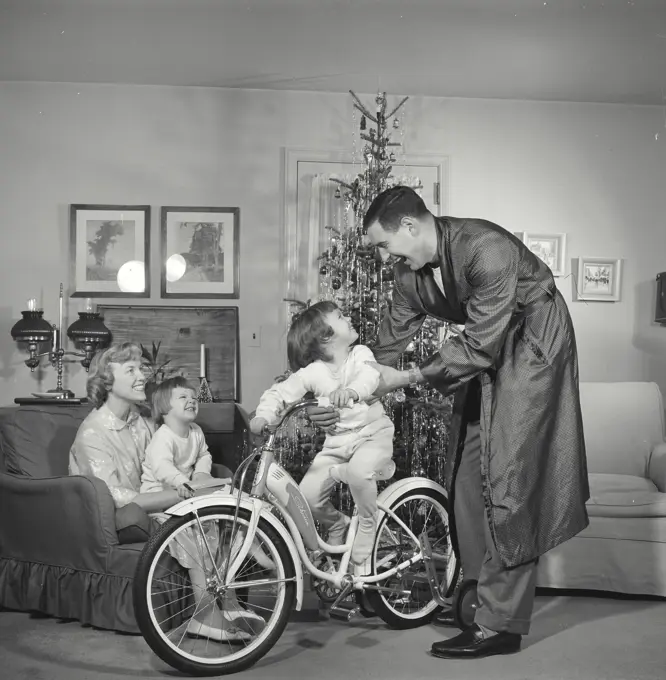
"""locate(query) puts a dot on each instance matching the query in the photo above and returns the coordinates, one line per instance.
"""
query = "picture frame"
(599, 279)
(110, 250)
(200, 251)
(549, 248)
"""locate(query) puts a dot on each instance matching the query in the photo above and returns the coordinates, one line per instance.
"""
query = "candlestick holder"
(88, 333)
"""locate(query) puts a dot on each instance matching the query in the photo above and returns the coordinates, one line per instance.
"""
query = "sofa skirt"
(95, 599)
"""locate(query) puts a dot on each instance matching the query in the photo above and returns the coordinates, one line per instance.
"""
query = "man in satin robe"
(516, 467)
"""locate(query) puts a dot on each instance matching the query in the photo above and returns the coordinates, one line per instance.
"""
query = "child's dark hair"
(308, 334)
(161, 397)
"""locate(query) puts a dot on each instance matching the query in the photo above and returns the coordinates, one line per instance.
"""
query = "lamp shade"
(32, 327)
(89, 329)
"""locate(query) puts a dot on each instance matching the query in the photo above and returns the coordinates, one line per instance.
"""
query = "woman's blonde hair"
(100, 378)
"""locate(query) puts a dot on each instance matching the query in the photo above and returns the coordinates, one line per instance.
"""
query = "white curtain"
(317, 209)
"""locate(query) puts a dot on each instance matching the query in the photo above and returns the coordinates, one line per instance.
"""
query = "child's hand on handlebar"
(342, 397)
(259, 426)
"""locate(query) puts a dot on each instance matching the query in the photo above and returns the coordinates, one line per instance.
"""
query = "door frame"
(292, 156)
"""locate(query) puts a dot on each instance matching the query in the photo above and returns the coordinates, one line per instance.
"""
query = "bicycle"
(254, 548)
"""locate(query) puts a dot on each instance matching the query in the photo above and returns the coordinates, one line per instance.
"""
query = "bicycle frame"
(274, 487)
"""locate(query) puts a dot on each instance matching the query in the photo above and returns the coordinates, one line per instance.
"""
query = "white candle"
(202, 370)
(55, 338)
(60, 319)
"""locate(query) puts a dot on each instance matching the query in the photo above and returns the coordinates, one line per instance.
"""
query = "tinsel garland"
(352, 275)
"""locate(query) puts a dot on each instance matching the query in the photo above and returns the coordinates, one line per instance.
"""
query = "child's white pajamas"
(171, 461)
(362, 439)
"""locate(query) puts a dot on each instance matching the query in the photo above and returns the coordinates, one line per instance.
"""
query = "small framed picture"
(109, 250)
(200, 252)
(599, 279)
(550, 248)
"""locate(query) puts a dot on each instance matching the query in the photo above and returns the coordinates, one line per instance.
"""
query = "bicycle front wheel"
(409, 602)
(189, 617)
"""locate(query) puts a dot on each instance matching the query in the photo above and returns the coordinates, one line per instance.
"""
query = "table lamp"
(88, 333)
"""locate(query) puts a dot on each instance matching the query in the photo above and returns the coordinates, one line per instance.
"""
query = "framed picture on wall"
(550, 248)
(199, 252)
(599, 279)
(109, 250)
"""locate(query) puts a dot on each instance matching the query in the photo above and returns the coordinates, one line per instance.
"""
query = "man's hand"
(341, 397)
(389, 378)
(323, 416)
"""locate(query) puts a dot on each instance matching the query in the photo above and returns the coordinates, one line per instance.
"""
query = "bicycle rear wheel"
(411, 604)
(253, 609)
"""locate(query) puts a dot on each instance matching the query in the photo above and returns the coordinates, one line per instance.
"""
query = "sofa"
(65, 550)
(623, 550)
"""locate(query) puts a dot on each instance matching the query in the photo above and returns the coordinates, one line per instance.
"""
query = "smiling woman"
(113, 442)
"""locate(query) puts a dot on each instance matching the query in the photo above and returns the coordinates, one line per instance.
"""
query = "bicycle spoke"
(396, 544)
(241, 610)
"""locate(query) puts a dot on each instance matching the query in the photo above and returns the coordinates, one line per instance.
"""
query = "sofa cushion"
(36, 439)
(604, 482)
(624, 496)
(623, 504)
(634, 529)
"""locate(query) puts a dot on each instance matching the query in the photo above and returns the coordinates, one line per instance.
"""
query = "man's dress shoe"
(471, 644)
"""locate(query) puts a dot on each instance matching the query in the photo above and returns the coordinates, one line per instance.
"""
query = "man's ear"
(407, 222)
(411, 224)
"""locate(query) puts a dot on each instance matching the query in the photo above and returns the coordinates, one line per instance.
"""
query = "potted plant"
(156, 369)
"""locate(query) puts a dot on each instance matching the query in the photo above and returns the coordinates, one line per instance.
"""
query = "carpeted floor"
(573, 637)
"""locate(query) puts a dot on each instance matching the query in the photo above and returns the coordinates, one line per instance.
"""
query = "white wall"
(594, 171)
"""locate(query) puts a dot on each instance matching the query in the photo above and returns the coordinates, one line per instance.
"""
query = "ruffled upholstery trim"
(100, 600)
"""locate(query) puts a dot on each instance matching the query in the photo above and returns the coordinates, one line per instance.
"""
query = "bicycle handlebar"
(289, 411)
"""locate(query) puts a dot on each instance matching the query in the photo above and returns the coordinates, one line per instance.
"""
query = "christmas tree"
(352, 275)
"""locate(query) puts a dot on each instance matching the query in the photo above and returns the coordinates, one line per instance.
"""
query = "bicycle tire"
(465, 603)
(377, 600)
(142, 604)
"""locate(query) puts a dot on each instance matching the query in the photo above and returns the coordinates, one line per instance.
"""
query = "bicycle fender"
(391, 493)
(189, 505)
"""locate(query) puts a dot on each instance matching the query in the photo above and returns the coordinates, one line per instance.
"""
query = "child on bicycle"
(359, 448)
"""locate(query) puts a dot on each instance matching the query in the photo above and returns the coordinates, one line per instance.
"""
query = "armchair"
(64, 549)
(624, 547)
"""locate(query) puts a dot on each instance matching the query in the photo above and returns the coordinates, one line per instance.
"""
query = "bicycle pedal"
(343, 613)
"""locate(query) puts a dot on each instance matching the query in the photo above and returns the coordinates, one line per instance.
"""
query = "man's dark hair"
(392, 205)
(308, 334)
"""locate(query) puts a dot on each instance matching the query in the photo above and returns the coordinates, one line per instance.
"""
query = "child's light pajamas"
(171, 461)
(363, 437)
